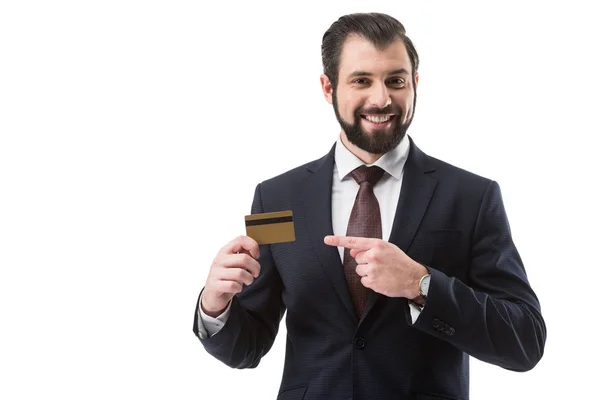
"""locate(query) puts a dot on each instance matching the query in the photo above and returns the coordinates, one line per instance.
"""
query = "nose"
(380, 96)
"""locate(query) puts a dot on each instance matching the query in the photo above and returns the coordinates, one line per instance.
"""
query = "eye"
(398, 82)
(361, 81)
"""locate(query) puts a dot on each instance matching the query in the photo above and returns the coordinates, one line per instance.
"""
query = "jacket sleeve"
(494, 315)
(256, 312)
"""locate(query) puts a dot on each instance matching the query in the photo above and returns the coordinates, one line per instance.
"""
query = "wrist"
(420, 273)
(421, 287)
(210, 309)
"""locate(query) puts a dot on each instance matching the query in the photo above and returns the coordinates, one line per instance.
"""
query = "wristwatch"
(423, 290)
(424, 286)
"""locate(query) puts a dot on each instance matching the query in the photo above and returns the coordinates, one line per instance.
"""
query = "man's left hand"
(383, 266)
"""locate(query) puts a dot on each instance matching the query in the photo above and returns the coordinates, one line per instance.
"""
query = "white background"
(119, 118)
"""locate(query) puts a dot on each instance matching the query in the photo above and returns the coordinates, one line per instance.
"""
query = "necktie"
(365, 221)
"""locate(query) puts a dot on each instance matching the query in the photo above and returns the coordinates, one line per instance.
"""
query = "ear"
(416, 80)
(327, 89)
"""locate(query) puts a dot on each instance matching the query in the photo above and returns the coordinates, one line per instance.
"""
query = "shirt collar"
(391, 162)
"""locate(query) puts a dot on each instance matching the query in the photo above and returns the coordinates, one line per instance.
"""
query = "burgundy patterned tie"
(365, 221)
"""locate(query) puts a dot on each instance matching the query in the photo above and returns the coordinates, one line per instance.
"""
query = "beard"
(379, 141)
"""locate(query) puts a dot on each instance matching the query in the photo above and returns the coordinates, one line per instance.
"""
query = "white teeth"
(378, 119)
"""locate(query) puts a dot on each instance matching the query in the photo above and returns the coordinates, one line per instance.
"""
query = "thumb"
(355, 252)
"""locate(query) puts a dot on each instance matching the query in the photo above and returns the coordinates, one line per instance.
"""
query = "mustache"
(389, 109)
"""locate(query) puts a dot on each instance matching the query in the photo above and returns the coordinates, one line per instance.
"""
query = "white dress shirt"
(344, 191)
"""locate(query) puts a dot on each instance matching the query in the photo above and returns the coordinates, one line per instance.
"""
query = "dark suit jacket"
(480, 302)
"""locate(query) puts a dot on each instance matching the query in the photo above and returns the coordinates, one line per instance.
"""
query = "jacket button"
(359, 342)
(436, 323)
(451, 331)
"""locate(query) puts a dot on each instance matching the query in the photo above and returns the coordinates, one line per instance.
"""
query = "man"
(391, 282)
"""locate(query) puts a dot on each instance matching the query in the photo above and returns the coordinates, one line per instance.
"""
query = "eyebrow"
(364, 73)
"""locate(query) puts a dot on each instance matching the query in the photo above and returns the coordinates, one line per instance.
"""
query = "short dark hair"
(379, 29)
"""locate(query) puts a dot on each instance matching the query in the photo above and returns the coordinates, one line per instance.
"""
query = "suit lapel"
(417, 190)
(416, 193)
(316, 193)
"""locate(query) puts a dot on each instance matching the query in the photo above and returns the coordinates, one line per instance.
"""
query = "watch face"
(425, 284)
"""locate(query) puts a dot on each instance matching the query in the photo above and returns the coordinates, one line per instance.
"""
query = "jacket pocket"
(292, 393)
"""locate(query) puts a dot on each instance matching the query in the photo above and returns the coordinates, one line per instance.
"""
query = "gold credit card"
(273, 227)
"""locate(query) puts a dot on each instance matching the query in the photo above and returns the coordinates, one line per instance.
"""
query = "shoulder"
(449, 175)
(448, 170)
(297, 175)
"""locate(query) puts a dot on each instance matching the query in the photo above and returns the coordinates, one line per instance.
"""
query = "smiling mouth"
(378, 119)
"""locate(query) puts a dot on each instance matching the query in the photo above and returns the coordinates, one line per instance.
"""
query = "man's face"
(375, 95)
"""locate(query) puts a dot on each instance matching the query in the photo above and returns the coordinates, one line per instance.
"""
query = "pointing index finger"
(350, 242)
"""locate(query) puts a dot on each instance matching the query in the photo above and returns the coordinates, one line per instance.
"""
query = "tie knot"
(367, 174)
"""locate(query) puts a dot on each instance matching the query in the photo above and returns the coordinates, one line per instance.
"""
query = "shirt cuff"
(415, 311)
(209, 326)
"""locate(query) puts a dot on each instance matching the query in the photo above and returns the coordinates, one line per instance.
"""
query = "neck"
(364, 156)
